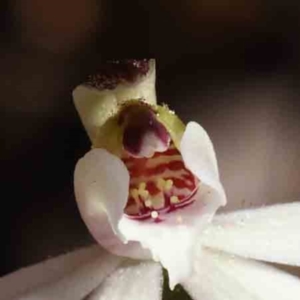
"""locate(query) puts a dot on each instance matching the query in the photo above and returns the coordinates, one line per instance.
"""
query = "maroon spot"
(112, 73)
(138, 121)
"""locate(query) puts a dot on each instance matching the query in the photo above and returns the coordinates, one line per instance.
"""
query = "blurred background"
(231, 65)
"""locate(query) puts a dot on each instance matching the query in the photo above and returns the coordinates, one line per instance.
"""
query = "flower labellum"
(159, 180)
(150, 185)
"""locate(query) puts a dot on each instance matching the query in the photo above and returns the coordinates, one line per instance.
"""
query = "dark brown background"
(232, 67)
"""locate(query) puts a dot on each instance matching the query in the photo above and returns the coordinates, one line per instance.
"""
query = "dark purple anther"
(143, 133)
(112, 73)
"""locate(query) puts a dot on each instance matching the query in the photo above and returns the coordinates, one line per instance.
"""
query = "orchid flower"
(150, 184)
(148, 191)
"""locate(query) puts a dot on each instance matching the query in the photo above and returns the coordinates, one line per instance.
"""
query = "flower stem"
(177, 294)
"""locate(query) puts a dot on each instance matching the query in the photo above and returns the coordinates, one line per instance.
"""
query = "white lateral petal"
(101, 184)
(269, 233)
(79, 283)
(222, 277)
(140, 281)
(28, 278)
(198, 151)
(199, 157)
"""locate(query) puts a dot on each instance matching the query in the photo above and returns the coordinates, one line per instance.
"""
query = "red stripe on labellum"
(169, 152)
(181, 184)
(139, 168)
(152, 188)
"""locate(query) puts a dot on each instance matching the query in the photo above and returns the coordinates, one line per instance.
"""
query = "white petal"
(172, 241)
(140, 281)
(78, 284)
(221, 277)
(96, 106)
(199, 157)
(198, 151)
(269, 233)
(70, 276)
(101, 183)
(30, 277)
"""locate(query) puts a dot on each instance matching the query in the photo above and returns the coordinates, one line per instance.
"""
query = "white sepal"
(142, 281)
(61, 278)
(268, 233)
(218, 276)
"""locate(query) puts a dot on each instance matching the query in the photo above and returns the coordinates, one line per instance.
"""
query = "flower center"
(143, 134)
(158, 185)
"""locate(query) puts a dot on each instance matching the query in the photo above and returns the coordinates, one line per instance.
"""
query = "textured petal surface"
(222, 277)
(70, 283)
(95, 106)
(30, 277)
(101, 183)
(269, 233)
(140, 281)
